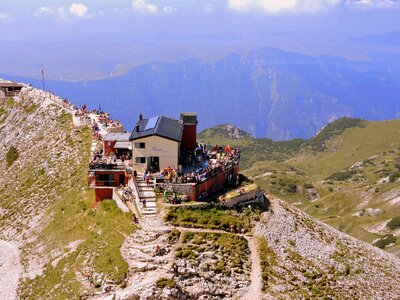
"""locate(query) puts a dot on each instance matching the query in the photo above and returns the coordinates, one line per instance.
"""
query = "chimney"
(140, 117)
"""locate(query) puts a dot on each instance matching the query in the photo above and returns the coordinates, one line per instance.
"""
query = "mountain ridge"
(268, 92)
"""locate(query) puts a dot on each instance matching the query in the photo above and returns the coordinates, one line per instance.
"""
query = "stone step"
(147, 212)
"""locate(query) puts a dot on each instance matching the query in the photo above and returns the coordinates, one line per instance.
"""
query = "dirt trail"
(255, 287)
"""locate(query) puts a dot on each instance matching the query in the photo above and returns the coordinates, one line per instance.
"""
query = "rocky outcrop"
(309, 258)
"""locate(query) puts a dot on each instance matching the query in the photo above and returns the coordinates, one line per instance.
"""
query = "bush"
(292, 188)
(165, 282)
(387, 240)
(308, 185)
(340, 176)
(394, 223)
(393, 177)
(11, 156)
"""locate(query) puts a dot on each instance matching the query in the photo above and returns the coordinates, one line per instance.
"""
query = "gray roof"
(123, 145)
(117, 136)
(163, 126)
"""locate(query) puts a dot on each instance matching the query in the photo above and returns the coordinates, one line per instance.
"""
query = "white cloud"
(381, 4)
(275, 7)
(169, 9)
(61, 13)
(44, 10)
(5, 18)
(78, 9)
(145, 7)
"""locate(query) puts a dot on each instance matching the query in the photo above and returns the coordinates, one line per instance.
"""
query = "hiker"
(233, 228)
(175, 270)
(158, 250)
(165, 195)
(174, 198)
(134, 219)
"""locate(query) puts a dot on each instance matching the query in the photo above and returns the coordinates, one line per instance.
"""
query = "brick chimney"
(189, 120)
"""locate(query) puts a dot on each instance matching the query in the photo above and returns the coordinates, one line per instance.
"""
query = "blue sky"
(132, 32)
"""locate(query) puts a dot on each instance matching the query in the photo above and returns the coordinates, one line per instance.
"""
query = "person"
(144, 203)
(232, 228)
(174, 198)
(148, 180)
(158, 250)
(165, 195)
(175, 270)
(133, 219)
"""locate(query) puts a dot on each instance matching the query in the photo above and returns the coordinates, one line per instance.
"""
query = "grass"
(231, 251)
(30, 108)
(394, 223)
(165, 282)
(210, 217)
(268, 260)
(11, 156)
(99, 231)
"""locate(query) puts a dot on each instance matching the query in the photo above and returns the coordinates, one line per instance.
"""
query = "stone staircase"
(145, 267)
(146, 192)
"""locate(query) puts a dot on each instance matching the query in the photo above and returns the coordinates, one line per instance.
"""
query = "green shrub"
(165, 282)
(292, 188)
(340, 176)
(11, 156)
(308, 185)
(173, 236)
(394, 223)
(387, 240)
(393, 177)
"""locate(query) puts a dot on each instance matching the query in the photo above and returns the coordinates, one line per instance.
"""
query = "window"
(140, 145)
(140, 160)
(106, 179)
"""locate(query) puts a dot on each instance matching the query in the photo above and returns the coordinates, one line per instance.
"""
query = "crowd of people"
(97, 119)
(205, 162)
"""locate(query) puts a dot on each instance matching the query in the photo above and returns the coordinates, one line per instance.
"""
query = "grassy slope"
(46, 206)
(101, 230)
(356, 144)
(316, 159)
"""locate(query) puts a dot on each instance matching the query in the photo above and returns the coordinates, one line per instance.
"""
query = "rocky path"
(10, 269)
(255, 288)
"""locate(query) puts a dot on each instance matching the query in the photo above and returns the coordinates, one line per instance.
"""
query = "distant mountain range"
(267, 92)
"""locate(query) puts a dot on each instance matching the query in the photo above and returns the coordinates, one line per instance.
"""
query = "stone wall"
(254, 197)
(187, 189)
(116, 197)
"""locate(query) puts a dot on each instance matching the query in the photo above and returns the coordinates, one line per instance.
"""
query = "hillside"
(346, 176)
(51, 235)
(267, 92)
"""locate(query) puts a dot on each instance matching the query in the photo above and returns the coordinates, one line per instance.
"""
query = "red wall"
(188, 141)
(102, 194)
(116, 178)
(109, 149)
(208, 185)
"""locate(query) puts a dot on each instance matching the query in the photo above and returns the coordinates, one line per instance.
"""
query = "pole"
(43, 77)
